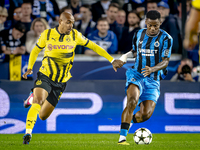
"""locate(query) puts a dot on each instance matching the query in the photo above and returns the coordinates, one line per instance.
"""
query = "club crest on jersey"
(67, 39)
(156, 44)
(39, 82)
(49, 47)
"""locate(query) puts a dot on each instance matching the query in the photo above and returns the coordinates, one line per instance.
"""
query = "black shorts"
(54, 89)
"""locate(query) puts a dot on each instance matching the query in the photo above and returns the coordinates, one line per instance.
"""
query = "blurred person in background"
(179, 15)
(66, 9)
(125, 44)
(185, 72)
(3, 17)
(103, 37)
(10, 6)
(47, 9)
(191, 28)
(85, 25)
(12, 41)
(37, 27)
(151, 5)
(75, 6)
(26, 9)
(170, 25)
(17, 15)
(121, 19)
(99, 9)
(111, 17)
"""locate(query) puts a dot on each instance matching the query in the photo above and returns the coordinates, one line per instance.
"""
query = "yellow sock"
(32, 117)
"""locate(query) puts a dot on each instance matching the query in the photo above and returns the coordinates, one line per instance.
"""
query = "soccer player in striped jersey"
(152, 49)
(59, 44)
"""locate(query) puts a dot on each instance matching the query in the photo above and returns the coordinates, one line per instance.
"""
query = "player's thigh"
(147, 107)
(40, 95)
(46, 110)
(133, 93)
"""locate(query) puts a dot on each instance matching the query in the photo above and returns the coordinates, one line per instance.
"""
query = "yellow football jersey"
(59, 53)
(196, 4)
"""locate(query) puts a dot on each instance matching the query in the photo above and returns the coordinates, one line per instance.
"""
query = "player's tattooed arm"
(148, 70)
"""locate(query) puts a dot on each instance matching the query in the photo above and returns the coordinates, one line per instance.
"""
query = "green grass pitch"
(98, 142)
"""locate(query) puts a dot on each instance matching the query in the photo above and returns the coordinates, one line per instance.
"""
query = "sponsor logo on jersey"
(50, 47)
(39, 82)
(148, 52)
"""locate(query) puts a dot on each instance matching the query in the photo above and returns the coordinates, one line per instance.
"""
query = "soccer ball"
(142, 136)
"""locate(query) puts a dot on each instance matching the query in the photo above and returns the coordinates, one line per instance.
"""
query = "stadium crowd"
(109, 23)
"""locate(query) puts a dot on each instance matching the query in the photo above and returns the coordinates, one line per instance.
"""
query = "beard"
(133, 24)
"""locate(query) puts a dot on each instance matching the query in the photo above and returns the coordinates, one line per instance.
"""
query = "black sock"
(125, 125)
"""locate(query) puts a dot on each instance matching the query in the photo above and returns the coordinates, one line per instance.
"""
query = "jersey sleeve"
(134, 42)
(167, 47)
(81, 39)
(41, 43)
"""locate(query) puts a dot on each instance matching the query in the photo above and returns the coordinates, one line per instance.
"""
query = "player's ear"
(146, 21)
(60, 20)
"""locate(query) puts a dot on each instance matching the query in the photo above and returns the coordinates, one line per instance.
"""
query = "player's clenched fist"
(117, 64)
(29, 71)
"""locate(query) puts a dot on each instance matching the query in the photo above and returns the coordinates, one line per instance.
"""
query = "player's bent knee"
(131, 104)
(43, 117)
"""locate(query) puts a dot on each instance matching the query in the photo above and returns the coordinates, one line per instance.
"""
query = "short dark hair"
(102, 19)
(135, 12)
(66, 7)
(20, 27)
(114, 5)
(86, 6)
(153, 15)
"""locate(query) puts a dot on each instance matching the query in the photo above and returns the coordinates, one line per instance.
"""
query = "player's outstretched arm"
(117, 64)
(29, 71)
(100, 51)
(129, 54)
(148, 70)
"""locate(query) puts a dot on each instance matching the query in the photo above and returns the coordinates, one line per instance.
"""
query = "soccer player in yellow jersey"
(59, 44)
(191, 38)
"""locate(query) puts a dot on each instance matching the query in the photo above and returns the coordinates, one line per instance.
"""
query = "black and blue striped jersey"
(150, 51)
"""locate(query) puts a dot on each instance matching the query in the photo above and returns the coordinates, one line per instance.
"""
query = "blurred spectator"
(37, 27)
(179, 15)
(62, 3)
(66, 9)
(10, 6)
(85, 25)
(18, 3)
(133, 5)
(185, 72)
(47, 9)
(125, 43)
(17, 14)
(103, 37)
(111, 17)
(11, 41)
(26, 9)
(3, 17)
(121, 17)
(141, 11)
(151, 5)
(170, 25)
(99, 9)
(75, 6)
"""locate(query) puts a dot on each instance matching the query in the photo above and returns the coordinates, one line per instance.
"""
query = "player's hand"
(117, 64)
(29, 71)
(146, 71)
